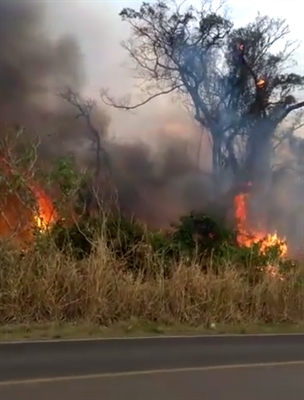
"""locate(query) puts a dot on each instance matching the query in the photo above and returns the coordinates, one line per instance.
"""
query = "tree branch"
(294, 107)
(109, 101)
(85, 109)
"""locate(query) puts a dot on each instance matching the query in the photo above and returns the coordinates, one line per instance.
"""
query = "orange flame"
(46, 213)
(247, 237)
(261, 83)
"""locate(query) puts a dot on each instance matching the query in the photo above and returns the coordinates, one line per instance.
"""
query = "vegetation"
(104, 267)
(129, 279)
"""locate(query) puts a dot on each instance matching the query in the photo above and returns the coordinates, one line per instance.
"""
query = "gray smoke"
(31, 65)
(36, 62)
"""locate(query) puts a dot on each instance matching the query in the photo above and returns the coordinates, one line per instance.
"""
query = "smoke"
(46, 47)
(33, 68)
(30, 63)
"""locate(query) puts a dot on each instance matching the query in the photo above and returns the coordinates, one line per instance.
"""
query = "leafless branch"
(85, 109)
(289, 109)
(122, 104)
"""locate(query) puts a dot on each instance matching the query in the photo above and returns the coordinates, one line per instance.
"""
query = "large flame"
(247, 236)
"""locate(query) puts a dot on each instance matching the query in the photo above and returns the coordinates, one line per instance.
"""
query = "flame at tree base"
(248, 237)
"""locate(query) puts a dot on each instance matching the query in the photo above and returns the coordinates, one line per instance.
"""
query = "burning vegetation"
(86, 246)
(25, 205)
(25, 216)
(248, 120)
(46, 214)
(37, 210)
(246, 236)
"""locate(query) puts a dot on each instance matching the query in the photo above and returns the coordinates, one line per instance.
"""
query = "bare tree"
(102, 160)
(238, 88)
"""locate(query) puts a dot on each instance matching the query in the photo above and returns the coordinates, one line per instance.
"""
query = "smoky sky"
(30, 62)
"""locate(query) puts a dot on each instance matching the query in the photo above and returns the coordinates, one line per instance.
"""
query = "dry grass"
(48, 286)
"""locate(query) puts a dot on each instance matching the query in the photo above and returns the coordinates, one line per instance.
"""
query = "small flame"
(261, 83)
(46, 212)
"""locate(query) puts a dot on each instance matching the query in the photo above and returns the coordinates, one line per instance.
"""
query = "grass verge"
(49, 288)
(133, 328)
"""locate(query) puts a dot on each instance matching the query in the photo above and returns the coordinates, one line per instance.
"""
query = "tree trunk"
(259, 152)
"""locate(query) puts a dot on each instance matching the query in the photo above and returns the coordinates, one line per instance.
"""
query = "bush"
(203, 234)
(197, 236)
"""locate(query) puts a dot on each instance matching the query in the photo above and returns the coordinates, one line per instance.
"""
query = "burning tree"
(232, 79)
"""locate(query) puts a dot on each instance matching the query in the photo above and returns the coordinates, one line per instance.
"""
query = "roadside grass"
(134, 328)
(47, 294)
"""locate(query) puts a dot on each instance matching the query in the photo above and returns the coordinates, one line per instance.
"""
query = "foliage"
(202, 234)
(197, 236)
(65, 176)
(75, 240)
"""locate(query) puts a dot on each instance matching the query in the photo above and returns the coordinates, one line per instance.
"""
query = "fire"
(46, 214)
(247, 237)
(260, 83)
(42, 218)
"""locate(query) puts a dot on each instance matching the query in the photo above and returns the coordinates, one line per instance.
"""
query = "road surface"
(207, 367)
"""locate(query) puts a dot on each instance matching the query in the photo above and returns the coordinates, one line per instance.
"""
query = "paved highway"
(263, 367)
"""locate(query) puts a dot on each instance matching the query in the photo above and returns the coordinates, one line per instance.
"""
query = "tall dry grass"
(48, 286)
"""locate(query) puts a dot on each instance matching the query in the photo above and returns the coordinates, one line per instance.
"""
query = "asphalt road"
(215, 367)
